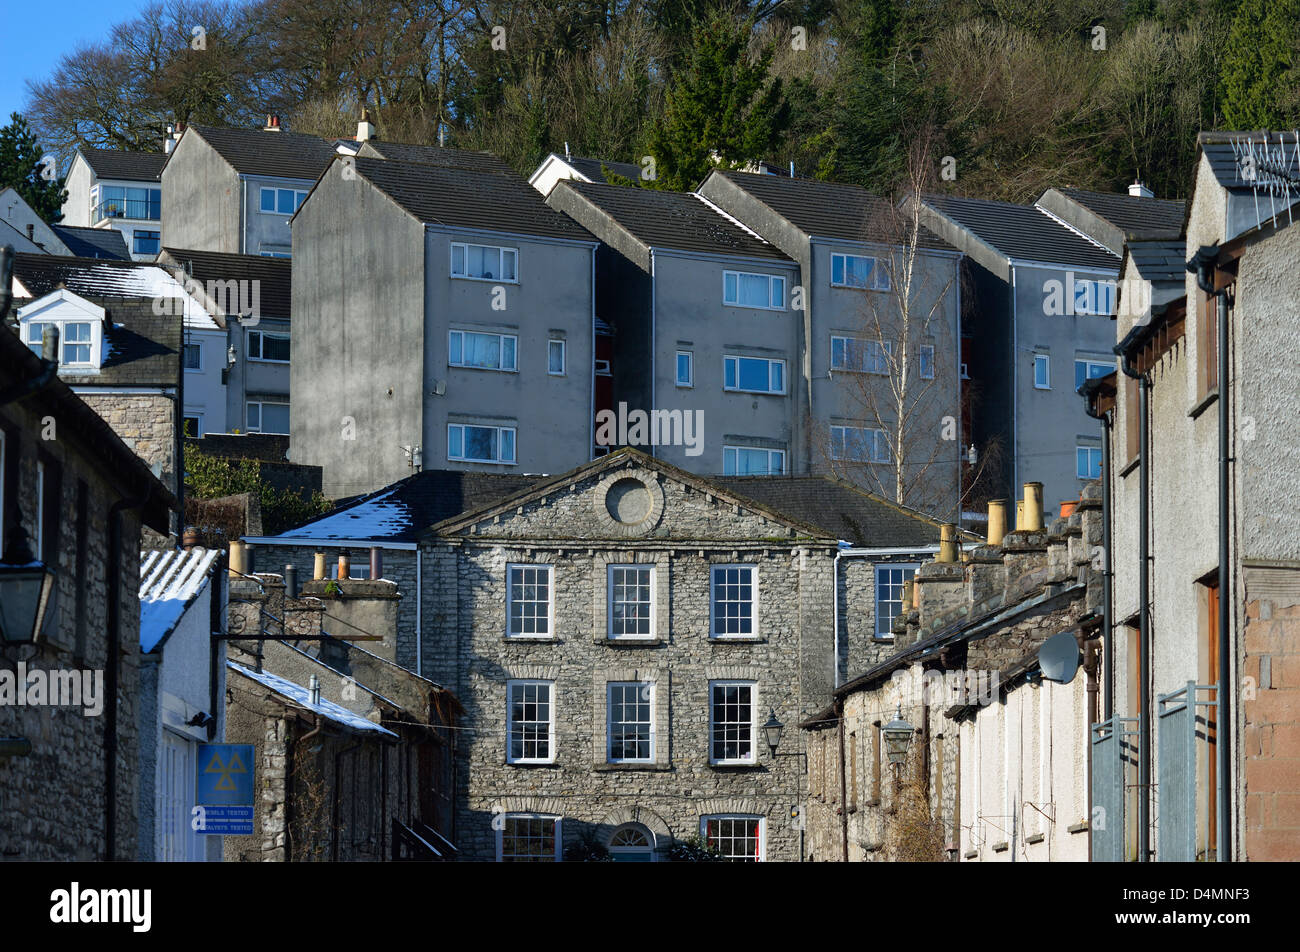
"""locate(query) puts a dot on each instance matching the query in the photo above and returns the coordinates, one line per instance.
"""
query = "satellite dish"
(1058, 658)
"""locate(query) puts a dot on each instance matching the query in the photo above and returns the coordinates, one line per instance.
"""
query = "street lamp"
(26, 593)
(772, 729)
(898, 737)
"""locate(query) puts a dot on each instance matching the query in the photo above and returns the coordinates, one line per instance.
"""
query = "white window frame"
(610, 569)
(771, 292)
(498, 441)
(549, 571)
(193, 415)
(690, 368)
(753, 602)
(198, 347)
(501, 351)
(261, 415)
(762, 830)
(297, 202)
(736, 450)
(1086, 448)
(261, 346)
(877, 268)
(558, 830)
(464, 247)
(550, 722)
(877, 356)
(770, 361)
(1089, 363)
(924, 353)
(875, 444)
(551, 344)
(752, 757)
(1044, 361)
(888, 635)
(645, 686)
(95, 344)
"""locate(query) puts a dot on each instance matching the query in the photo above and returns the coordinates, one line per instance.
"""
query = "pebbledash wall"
(628, 509)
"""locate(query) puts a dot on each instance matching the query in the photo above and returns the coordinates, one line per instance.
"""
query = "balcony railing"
(1187, 725)
(1114, 760)
(142, 209)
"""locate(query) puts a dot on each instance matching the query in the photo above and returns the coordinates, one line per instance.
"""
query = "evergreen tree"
(722, 107)
(1258, 64)
(21, 167)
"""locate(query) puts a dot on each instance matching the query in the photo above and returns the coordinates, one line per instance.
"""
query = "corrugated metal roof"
(169, 583)
(1023, 232)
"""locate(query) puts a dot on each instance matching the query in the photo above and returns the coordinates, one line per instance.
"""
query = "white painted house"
(118, 190)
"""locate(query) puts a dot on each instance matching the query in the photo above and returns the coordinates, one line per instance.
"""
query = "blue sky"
(35, 35)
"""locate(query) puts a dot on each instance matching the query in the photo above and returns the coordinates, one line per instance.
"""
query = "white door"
(177, 842)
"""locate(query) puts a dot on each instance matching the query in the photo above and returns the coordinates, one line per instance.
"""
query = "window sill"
(755, 393)
(264, 360)
(1001, 847)
(882, 640)
(490, 370)
(728, 767)
(630, 642)
(530, 639)
(737, 640)
(1204, 403)
(1035, 838)
(468, 277)
(1078, 828)
(606, 767)
(549, 765)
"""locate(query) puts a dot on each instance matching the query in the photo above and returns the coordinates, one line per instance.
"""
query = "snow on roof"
(302, 697)
(169, 582)
(374, 518)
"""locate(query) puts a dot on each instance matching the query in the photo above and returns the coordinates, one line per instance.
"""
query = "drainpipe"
(1203, 265)
(1107, 607)
(844, 791)
(835, 602)
(113, 663)
(1144, 595)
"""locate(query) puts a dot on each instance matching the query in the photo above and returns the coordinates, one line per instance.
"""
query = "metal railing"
(138, 208)
(1182, 725)
(1115, 751)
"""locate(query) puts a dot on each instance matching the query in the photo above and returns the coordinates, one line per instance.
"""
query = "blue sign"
(223, 790)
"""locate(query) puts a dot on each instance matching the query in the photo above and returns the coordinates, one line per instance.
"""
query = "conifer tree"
(22, 169)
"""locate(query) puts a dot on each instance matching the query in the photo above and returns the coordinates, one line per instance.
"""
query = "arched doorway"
(632, 843)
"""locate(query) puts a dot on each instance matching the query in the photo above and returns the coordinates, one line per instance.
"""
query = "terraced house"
(623, 635)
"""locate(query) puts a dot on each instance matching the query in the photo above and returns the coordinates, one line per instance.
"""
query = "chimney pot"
(189, 538)
(947, 543)
(997, 521)
(238, 557)
(272, 123)
(1020, 515)
(318, 566)
(290, 582)
(376, 562)
(1033, 507)
(345, 565)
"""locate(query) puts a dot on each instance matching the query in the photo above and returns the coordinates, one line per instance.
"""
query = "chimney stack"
(997, 521)
(1138, 190)
(365, 128)
(1033, 507)
(272, 123)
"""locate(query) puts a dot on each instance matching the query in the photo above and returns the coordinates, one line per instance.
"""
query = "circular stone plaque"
(628, 501)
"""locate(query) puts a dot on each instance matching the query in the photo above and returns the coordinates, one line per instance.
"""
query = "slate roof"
(301, 697)
(400, 512)
(1022, 231)
(823, 209)
(1225, 158)
(468, 199)
(677, 220)
(124, 166)
(93, 242)
(594, 169)
(842, 510)
(274, 275)
(143, 347)
(257, 152)
(1160, 261)
(169, 583)
(435, 155)
(1137, 217)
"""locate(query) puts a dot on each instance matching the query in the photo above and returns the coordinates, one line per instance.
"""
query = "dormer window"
(80, 325)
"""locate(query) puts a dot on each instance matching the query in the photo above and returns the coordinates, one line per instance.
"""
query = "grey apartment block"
(117, 191)
(821, 225)
(1044, 296)
(380, 319)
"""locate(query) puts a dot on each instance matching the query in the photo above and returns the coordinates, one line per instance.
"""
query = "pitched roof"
(97, 279)
(124, 166)
(435, 155)
(1225, 150)
(301, 697)
(1136, 216)
(1022, 232)
(169, 583)
(274, 276)
(400, 512)
(93, 242)
(825, 209)
(841, 509)
(594, 169)
(258, 152)
(678, 220)
(1160, 261)
(490, 201)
